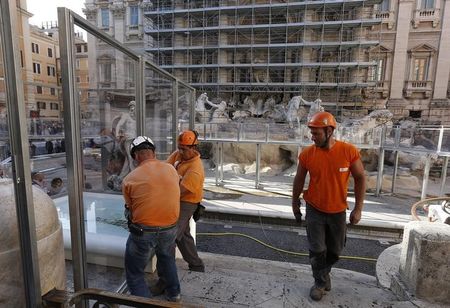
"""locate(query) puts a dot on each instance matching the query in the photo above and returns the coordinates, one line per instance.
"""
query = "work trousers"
(326, 237)
(184, 239)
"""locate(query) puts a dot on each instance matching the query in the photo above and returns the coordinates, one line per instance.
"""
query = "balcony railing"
(418, 86)
(426, 15)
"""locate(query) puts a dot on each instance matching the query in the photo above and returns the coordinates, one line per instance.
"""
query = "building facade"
(413, 69)
(268, 48)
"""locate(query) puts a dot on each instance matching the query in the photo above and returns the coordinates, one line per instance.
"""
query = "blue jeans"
(138, 251)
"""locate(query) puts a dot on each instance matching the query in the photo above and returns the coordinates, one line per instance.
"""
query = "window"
(51, 71)
(77, 63)
(385, 6)
(52, 91)
(34, 47)
(420, 69)
(36, 68)
(376, 73)
(21, 58)
(134, 16)
(105, 72)
(50, 52)
(41, 105)
(104, 18)
(415, 114)
(427, 4)
(39, 89)
(78, 79)
(78, 46)
(85, 48)
(54, 106)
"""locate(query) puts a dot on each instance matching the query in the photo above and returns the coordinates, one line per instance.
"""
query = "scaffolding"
(234, 49)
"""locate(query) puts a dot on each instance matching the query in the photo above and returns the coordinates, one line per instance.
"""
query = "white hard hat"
(141, 142)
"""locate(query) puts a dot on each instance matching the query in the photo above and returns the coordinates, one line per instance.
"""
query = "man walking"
(329, 163)
(152, 196)
(188, 164)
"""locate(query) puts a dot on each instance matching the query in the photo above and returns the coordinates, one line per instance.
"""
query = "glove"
(298, 217)
(198, 212)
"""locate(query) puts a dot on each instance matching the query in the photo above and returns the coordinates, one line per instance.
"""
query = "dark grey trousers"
(184, 240)
(326, 237)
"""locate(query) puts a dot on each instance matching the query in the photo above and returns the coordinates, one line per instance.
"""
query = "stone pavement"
(231, 281)
(243, 282)
(385, 211)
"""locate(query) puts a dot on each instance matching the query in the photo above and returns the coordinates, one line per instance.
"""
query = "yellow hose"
(275, 248)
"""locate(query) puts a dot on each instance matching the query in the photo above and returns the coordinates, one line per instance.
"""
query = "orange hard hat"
(322, 119)
(188, 137)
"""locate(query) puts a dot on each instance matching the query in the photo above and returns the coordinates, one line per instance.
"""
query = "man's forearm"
(360, 193)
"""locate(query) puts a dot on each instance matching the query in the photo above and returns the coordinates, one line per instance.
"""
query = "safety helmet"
(322, 119)
(140, 143)
(188, 137)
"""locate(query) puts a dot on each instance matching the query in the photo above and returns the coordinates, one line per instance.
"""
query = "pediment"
(423, 48)
(379, 49)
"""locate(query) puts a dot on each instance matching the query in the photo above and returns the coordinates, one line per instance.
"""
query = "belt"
(153, 229)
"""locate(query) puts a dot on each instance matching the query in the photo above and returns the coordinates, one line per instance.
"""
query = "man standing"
(152, 196)
(329, 163)
(188, 164)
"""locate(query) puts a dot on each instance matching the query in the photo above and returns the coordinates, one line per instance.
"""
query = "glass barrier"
(185, 98)
(158, 106)
(12, 289)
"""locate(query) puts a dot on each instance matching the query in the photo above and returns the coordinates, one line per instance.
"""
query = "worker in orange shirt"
(329, 163)
(188, 164)
(152, 197)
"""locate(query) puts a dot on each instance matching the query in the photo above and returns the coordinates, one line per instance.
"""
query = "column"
(443, 61)
(404, 16)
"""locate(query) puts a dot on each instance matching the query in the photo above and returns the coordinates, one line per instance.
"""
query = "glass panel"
(106, 93)
(158, 118)
(185, 97)
(12, 288)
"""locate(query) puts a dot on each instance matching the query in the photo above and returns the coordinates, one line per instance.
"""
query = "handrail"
(424, 202)
(63, 299)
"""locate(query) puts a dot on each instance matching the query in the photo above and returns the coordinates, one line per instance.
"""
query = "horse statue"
(295, 110)
(203, 114)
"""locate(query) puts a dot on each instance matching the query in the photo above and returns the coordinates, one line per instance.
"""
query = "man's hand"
(298, 217)
(355, 216)
(296, 210)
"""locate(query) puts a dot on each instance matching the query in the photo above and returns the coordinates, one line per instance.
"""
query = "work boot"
(200, 268)
(175, 298)
(316, 293)
(328, 283)
(158, 288)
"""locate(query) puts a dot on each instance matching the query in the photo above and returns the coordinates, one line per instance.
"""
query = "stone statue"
(269, 105)
(315, 107)
(203, 114)
(220, 114)
(295, 111)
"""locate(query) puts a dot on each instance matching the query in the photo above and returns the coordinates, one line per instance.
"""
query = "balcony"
(387, 17)
(426, 15)
(418, 86)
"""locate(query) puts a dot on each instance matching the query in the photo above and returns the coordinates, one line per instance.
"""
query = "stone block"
(424, 261)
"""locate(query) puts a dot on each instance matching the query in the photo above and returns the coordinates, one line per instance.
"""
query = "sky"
(45, 10)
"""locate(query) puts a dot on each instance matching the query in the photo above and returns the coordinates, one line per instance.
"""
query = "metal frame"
(72, 115)
(20, 155)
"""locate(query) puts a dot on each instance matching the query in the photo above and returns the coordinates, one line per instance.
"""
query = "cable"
(302, 254)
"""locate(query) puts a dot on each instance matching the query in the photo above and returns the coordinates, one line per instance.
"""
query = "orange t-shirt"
(192, 176)
(152, 193)
(329, 171)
